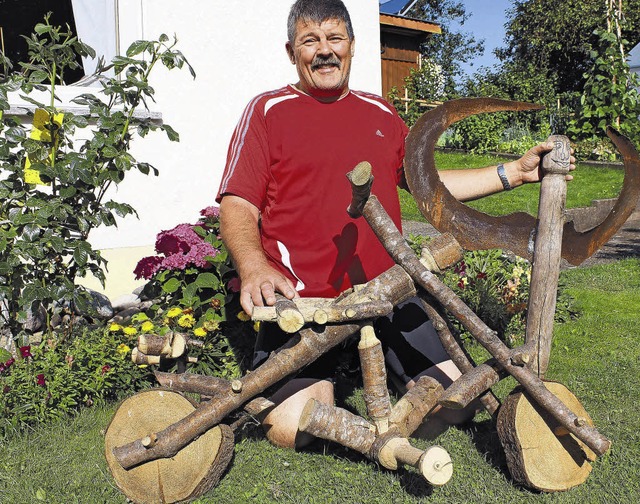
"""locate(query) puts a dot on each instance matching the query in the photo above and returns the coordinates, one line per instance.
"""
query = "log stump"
(192, 472)
(541, 454)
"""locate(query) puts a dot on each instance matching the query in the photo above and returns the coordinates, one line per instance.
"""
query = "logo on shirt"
(380, 134)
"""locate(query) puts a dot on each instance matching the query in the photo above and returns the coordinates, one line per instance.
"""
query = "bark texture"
(394, 243)
(547, 253)
(374, 378)
(394, 286)
(409, 412)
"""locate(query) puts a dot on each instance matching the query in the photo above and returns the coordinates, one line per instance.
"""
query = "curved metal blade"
(475, 230)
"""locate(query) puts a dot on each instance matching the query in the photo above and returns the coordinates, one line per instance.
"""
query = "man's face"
(322, 55)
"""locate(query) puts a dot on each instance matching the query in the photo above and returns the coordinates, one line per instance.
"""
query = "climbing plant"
(54, 188)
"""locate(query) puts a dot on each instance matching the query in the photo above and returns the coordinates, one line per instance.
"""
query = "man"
(284, 195)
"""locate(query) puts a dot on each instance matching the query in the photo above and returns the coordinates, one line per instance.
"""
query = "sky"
(486, 21)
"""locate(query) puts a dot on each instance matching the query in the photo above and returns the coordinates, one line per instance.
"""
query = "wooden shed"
(400, 40)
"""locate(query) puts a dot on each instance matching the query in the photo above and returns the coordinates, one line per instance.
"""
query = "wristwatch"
(503, 178)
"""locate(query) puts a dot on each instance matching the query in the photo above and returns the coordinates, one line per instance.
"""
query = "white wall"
(237, 50)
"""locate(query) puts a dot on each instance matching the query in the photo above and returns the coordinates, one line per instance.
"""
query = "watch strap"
(503, 178)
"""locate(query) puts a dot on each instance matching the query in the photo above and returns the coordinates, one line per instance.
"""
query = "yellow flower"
(518, 271)
(115, 327)
(256, 326)
(186, 320)
(147, 326)
(142, 366)
(174, 312)
(212, 325)
(200, 332)
(123, 350)
(130, 331)
(243, 316)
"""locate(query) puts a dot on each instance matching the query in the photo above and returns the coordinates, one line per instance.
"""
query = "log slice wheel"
(540, 454)
(192, 472)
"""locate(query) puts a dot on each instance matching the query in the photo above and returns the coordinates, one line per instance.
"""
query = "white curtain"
(96, 26)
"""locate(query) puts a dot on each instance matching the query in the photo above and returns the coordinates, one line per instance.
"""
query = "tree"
(555, 39)
(452, 47)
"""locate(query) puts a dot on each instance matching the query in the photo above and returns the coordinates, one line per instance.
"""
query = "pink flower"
(25, 351)
(40, 380)
(234, 284)
(210, 211)
(178, 239)
(147, 267)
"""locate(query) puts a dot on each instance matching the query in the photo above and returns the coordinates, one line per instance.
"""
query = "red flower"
(234, 284)
(25, 351)
(147, 267)
(40, 380)
(481, 275)
(9, 363)
(461, 285)
(105, 368)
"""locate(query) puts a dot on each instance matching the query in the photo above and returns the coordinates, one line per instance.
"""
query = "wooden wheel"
(191, 473)
(541, 454)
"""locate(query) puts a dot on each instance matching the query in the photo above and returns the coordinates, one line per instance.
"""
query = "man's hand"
(259, 285)
(527, 168)
(240, 232)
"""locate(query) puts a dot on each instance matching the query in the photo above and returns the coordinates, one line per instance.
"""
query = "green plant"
(195, 286)
(63, 374)
(54, 187)
(610, 96)
(496, 287)
(423, 85)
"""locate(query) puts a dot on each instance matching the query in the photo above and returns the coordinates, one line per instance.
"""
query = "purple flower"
(25, 351)
(147, 267)
(40, 380)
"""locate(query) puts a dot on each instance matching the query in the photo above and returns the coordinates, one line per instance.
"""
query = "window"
(93, 21)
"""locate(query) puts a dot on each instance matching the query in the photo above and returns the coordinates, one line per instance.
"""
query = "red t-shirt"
(289, 156)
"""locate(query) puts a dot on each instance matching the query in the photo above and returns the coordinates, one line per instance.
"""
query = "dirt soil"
(625, 243)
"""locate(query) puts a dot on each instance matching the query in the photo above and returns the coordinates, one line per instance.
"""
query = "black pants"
(410, 343)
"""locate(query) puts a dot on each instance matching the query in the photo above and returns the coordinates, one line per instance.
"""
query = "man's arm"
(466, 185)
(241, 235)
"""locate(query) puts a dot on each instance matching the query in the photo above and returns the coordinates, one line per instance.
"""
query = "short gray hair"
(317, 11)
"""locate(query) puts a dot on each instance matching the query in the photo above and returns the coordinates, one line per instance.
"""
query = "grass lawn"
(589, 183)
(596, 356)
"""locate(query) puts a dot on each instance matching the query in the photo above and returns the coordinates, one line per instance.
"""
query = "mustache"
(320, 61)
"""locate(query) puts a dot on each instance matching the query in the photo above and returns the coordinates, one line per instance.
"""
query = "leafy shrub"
(610, 95)
(423, 85)
(53, 187)
(195, 285)
(496, 287)
(63, 374)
